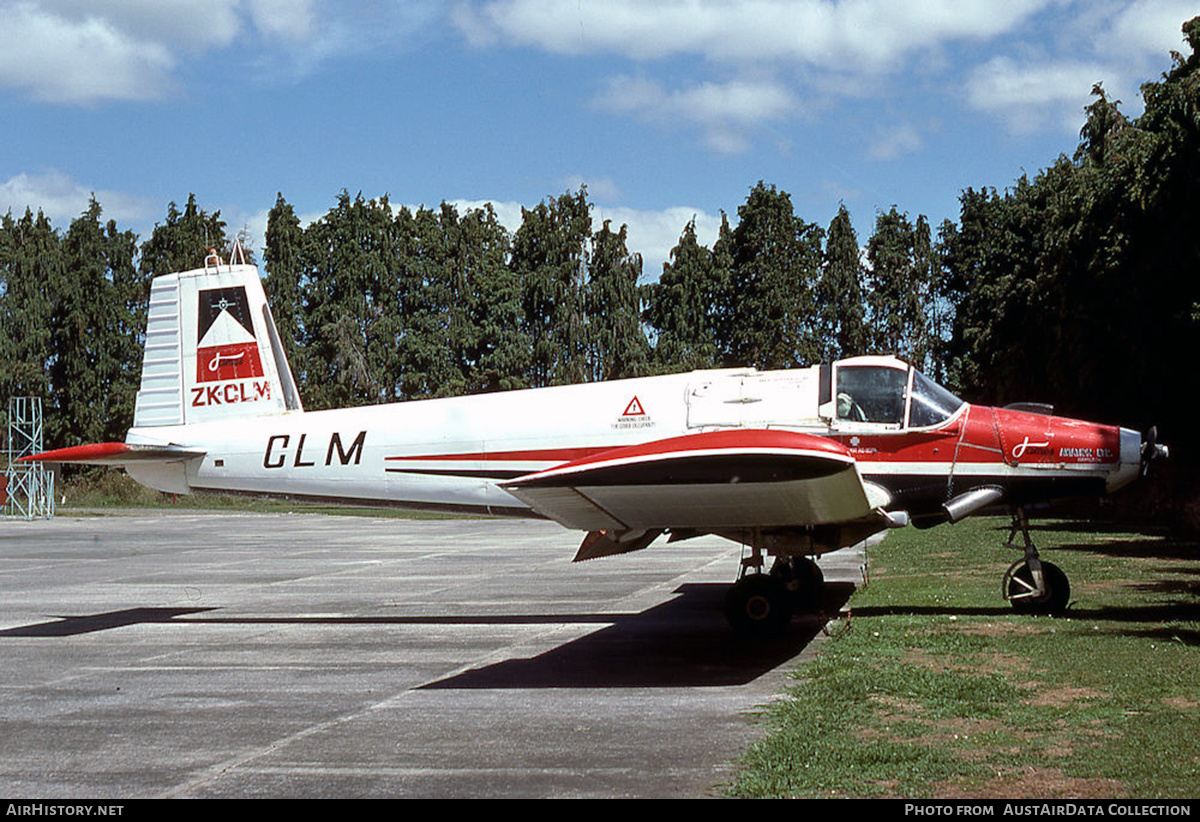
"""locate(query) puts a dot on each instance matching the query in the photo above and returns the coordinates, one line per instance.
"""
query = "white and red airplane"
(792, 464)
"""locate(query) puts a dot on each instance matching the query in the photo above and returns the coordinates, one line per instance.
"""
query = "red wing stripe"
(544, 455)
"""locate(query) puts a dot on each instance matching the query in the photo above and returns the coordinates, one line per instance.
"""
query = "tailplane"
(212, 350)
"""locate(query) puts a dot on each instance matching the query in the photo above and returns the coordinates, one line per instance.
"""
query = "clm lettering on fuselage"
(280, 448)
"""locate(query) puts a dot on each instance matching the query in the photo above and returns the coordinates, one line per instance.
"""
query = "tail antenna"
(237, 255)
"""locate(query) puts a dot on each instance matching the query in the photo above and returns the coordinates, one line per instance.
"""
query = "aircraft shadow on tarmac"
(682, 642)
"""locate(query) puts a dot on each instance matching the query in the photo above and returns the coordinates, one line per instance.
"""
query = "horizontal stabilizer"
(115, 453)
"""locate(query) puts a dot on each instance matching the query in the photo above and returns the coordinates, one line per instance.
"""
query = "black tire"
(1019, 582)
(803, 580)
(758, 605)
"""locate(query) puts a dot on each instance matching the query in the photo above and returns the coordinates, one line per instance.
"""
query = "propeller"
(1151, 450)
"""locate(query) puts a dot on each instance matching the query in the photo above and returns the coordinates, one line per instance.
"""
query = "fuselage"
(916, 450)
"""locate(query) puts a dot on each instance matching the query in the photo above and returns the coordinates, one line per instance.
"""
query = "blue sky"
(666, 110)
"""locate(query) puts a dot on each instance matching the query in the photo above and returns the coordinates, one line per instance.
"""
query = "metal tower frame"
(29, 485)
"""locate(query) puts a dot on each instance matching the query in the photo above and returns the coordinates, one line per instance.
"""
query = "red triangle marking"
(634, 409)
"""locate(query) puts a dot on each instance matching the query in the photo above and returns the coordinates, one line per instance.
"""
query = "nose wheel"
(1022, 591)
(1031, 585)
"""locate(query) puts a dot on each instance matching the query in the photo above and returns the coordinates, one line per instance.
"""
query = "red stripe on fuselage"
(730, 438)
(531, 455)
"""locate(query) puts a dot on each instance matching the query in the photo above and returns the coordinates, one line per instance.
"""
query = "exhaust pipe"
(972, 501)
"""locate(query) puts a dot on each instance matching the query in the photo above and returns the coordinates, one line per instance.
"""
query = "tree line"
(1078, 286)
(380, 304)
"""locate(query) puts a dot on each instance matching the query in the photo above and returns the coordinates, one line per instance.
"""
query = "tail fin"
(212, 350)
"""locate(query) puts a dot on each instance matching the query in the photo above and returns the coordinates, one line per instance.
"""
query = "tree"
(95, 369)
(682, 307)
(434, 320)
(33, 272)
(549, 256)
(617, 346)
(839, 292)
(183, 241)
(497, 355)
(776, 260)
(1080, 285)
(350, 305)
(283, 260)
(900, 262)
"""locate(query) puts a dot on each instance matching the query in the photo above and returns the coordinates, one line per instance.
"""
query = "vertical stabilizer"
(212, 351)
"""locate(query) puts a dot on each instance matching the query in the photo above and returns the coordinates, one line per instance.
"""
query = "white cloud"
(189, 25)
(604, 189)
(869, 33)
(1031, 63)
(724, 111)
(290, 19)
(1118, 44)
(62, 199)
(75, 61)
(82, 52)
(1148, 27)
(654, 233)
(896, 141)
(1035, 95)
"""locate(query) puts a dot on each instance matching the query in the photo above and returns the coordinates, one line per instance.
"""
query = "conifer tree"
(839, 299)
(87, 331)
(900, 256)
(496, 355)
(183, 241)
(348, 295)
(283, 262)
(33, 272)
(776, 260)
(682, 307)
(617, 345)
(549, 256)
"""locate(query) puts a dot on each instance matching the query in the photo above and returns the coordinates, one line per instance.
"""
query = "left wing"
(732, 478)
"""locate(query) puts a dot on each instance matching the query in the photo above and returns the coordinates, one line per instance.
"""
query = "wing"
(713, 480)
(115, 453)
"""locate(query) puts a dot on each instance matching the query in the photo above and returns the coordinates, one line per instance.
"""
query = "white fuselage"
(445, 452)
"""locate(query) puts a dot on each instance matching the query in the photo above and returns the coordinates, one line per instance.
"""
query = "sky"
(667, 111)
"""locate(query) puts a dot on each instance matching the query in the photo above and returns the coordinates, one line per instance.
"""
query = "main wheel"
(758, 605)
(1020, 590)
(803, 580)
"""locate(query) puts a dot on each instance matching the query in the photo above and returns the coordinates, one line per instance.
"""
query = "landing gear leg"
(1031, 585)
(758, 604)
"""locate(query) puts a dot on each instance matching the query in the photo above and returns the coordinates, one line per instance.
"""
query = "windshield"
(931, 404)
(871, 393)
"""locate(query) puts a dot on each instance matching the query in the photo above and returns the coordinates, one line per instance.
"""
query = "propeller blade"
(1151, 450)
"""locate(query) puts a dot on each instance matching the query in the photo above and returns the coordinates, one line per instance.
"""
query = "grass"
(939, 690)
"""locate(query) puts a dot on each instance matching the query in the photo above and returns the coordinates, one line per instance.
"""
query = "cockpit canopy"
(888, 392)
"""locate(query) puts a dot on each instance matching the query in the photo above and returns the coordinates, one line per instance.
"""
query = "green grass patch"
(939, 690)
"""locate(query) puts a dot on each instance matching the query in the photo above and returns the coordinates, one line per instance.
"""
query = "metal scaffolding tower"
(29, 487)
